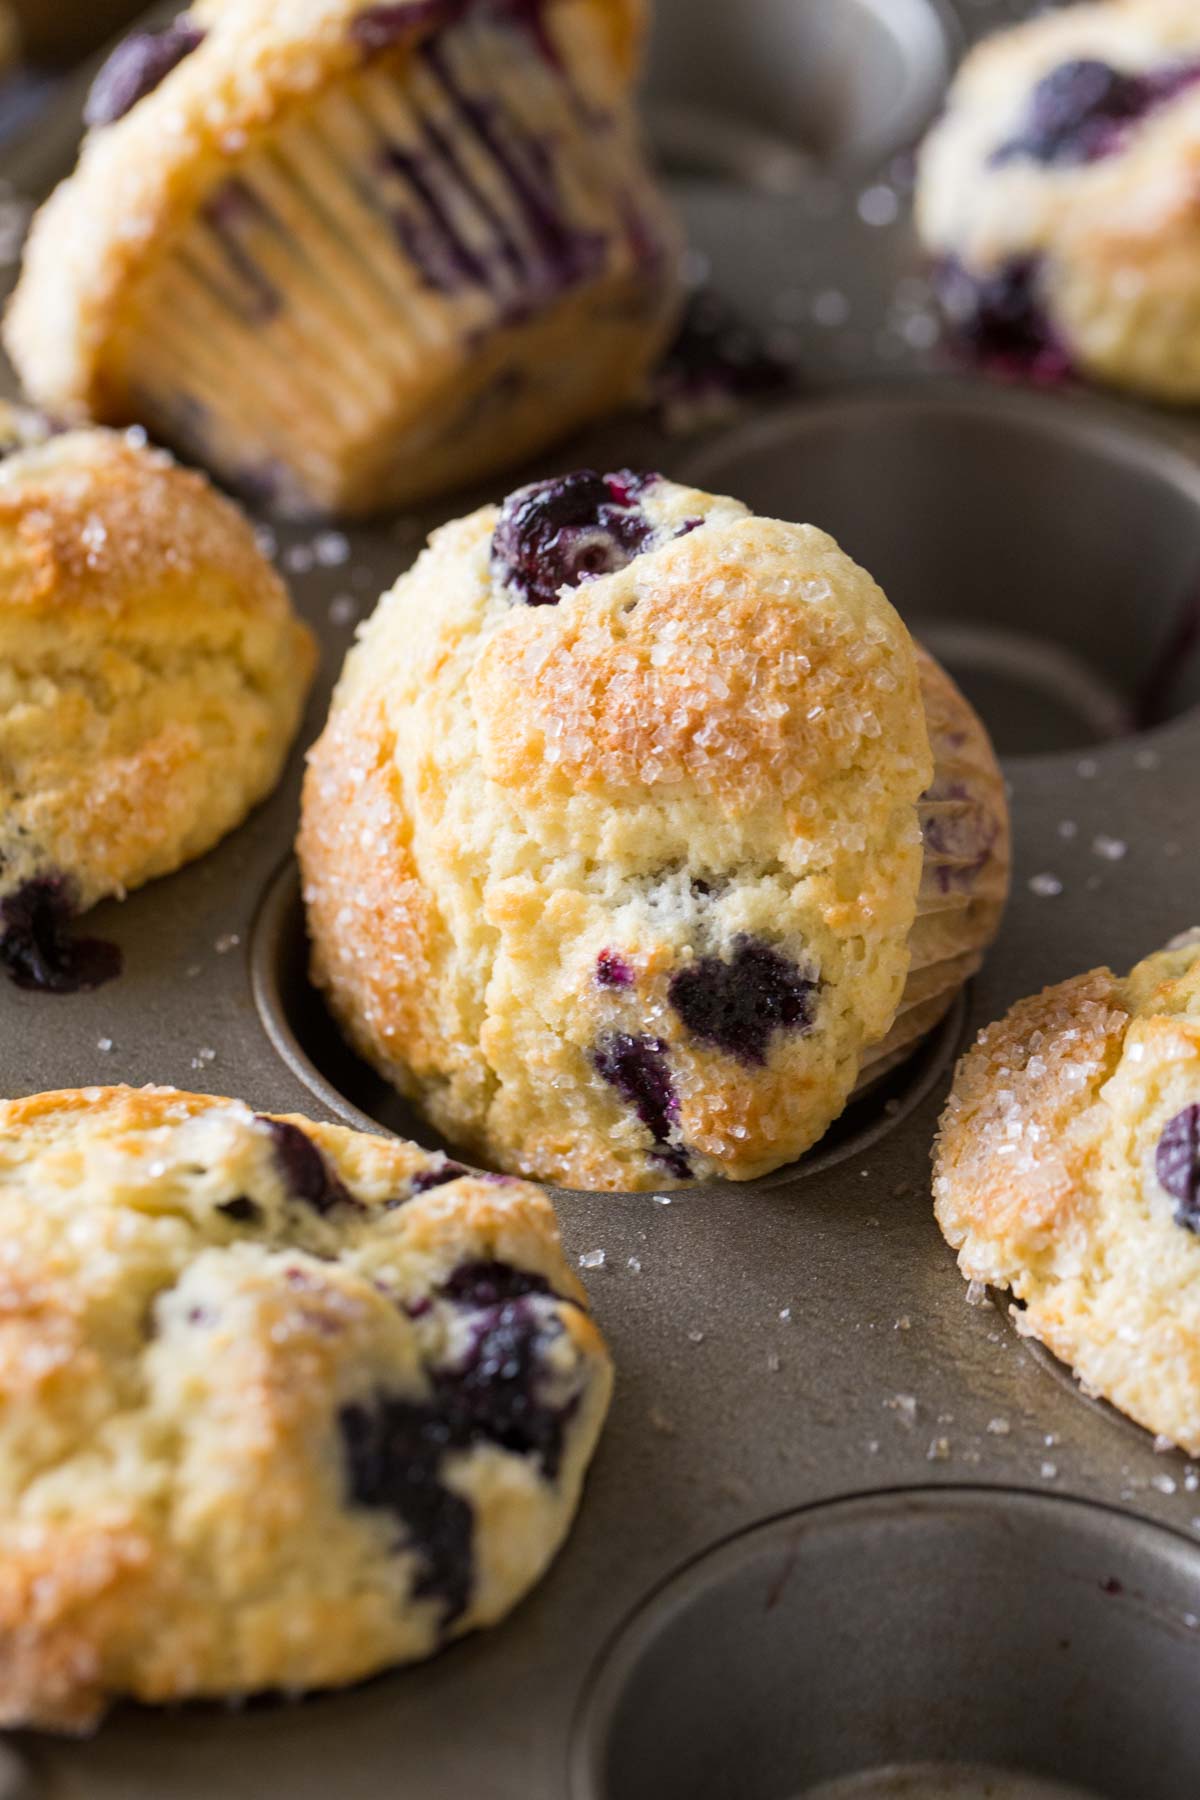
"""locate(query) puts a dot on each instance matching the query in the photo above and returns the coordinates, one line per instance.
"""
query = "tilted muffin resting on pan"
(152, 677)
(1068, 1171)
(612, 846)
(283, 1404)
(1058, 194)
(349, 255)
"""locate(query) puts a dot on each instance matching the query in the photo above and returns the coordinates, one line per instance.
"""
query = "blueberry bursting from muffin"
(1084, 110)
(37, 951)
(1177, 1165)
(394, 1449)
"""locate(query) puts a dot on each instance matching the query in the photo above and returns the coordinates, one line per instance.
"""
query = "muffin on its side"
(1068, 1172)
(612, 846)
(350, 256)
(284, 1404)
(1058, 191)
(152, 677)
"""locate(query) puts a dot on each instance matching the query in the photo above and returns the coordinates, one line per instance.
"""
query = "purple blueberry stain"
(136, 67)
(1000, 321)
(37, 951)
(568, 530)
(1083, 111)
(612, 971)
(393, 1452)
(1177, 1165)
(964, 834)
(716, 362)
(379, 28)
(394, 1449)
(737, 1005)
(304, 1168)
(484, 1284)
(437, 1175)
(639, 1069)
(233, 212)
(241, 1210)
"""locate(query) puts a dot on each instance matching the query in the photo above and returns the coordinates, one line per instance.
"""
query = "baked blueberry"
(393, 1451)
(437, 1175)
(571, 529)
(307, 1175)
(612, 971)
(638, 1067)
(135, 69)
(1000, 319)
(739, 1003)
(37, 950)
(1177, 1165)
(1083, 110)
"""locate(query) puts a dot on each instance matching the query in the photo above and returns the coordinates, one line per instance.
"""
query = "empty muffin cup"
(952, 1641)
(1045, 548)
(768, 92)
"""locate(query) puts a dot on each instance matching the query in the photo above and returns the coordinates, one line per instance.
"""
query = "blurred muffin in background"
(1058, 195)
(351, 256)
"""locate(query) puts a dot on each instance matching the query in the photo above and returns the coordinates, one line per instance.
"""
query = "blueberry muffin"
(1068, 1172)
(350, 256)
(283, 1405)
(1057, 194)
(612, 846)
(152, 678)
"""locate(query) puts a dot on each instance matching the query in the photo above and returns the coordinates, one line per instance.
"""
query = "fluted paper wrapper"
(965, 877)
(438, 265)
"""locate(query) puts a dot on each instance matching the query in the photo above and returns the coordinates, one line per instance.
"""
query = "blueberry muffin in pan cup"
(1058, 195)
(1067, 1172)
(350, 256)
(625, 835)
(284, 1404)
(152, 679)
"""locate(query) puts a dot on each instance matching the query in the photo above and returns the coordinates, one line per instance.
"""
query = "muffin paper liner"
(374, 289)
(965, 875)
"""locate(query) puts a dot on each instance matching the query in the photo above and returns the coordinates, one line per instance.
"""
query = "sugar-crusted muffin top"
(708, 652)
(152, 672)
(283, 1402)
(176, 110)
(1068, 1169)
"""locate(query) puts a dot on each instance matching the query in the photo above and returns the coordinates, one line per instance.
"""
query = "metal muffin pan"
(805, 1388)
(765, 93)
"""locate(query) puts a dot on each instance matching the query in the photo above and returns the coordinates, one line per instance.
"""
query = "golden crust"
(721, 742)
(152, 673)
(1046, 1180)
(176, 1517)
(1117, 239)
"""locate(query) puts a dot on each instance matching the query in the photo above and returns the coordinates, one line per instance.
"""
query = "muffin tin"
(844, 1524)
